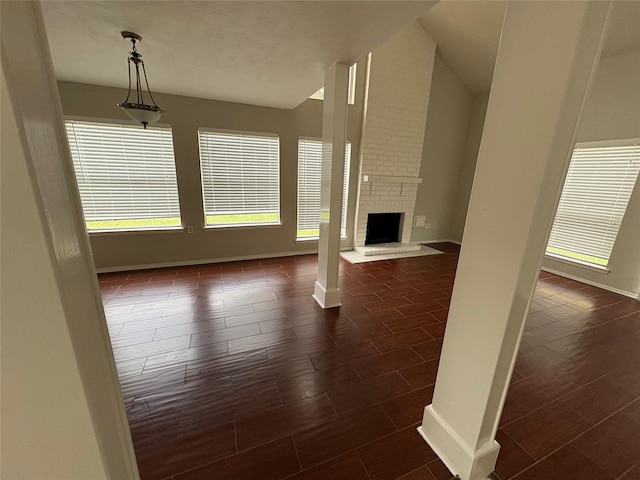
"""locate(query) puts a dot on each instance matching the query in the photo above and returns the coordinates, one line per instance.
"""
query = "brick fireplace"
(399, 84)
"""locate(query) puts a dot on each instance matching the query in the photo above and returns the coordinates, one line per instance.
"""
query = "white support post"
(334, 132)
(548, 53)
(64, 416)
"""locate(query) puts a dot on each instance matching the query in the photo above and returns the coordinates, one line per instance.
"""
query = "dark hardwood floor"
(231, 371)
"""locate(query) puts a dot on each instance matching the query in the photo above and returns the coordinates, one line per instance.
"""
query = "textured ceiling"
(623, 33)
(468, 33)
(275, 53)
(255, 52)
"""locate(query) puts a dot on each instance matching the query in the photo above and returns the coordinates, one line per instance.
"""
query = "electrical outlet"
(189, 229)
(427, 226)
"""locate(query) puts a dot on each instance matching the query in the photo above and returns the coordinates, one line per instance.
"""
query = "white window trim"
(580, 263)
(237, 132)
(212, 227)
(137, 231)
(127, 231)
(115, 121)
(345, 189)
(618, 142)
(577, 263)
(242, 226)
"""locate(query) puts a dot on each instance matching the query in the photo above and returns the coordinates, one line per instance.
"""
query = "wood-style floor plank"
(233, 371)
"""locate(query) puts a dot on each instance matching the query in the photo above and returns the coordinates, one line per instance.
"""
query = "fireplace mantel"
(389, 179)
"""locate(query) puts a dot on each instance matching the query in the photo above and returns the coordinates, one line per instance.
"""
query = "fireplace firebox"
(383, 228)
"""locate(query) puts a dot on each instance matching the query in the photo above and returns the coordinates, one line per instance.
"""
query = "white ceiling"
(274, 53)
(256, 52)
(468, 32)
(623, 32)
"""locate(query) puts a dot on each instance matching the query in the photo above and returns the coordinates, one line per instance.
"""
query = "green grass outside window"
(601, 262)
(309, 233)
(150, 223)
(134, 223)
(242, 219)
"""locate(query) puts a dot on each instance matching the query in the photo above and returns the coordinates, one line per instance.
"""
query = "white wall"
(443, 158)
(613, 106)
(47, 431)
(612, 111)
(125, 250)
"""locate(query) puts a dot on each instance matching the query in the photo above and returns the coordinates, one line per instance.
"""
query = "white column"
(334, 132)
(547, 56)
(62, 410)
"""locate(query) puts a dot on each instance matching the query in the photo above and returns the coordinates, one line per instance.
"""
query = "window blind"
(126, 175)
(309, 187)
(594, 198)
(240, 177)
(345, 189)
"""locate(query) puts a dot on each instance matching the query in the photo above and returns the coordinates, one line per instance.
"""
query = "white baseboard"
(326, 298)
(186, 263)
(458, 457)
(441, 241)
(205, 261)
(591, 282)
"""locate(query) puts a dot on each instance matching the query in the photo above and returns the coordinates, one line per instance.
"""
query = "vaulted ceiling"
(257, 52)
(274, 53)
(468, 34)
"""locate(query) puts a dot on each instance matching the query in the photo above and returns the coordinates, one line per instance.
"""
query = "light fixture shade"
(144, 114)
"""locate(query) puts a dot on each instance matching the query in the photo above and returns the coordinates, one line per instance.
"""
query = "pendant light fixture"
(140, 112)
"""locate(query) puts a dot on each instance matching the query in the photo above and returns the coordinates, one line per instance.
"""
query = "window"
(309, 180)
(596, 192)
(240, 177)
(319, 95)
(126, 175)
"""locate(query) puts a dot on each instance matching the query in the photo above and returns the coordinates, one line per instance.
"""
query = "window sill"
(578, 263)
(244, 226)
(135, 231)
